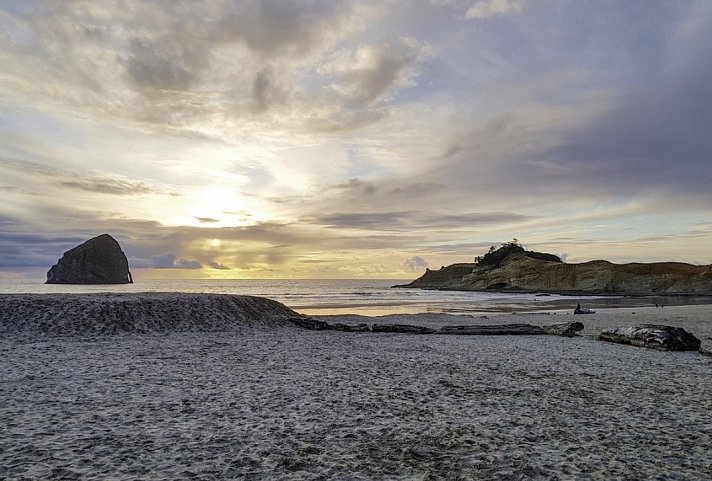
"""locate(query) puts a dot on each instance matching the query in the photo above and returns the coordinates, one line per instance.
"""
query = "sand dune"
(97, 314)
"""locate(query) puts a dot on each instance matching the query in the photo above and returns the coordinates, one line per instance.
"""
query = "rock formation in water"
(97, 261)
(516, 270)
(660, 338)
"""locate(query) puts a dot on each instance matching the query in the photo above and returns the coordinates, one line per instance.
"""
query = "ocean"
(371, 297)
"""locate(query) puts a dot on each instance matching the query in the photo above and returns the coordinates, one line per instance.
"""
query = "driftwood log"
(349, 328)
(660, 338)
(310, 323)
(493, 330)
(402, 328)
(567, 329)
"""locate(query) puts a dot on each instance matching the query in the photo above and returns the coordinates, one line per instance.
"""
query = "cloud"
(217, 265)
(493, 8)
(20, 248)
(179, 67)
(187, 264)
(207, 220)
(571, 137)
(415, 264)
(365, 270)
(150, 66)
(109, 186)
(266, 90)
(365, 74)
(409, 220)
(376, 220)
(351, 129)
(29, 172)
(273, 28)
(164, 261)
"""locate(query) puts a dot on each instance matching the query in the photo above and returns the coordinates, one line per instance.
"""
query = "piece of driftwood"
(310, 323)
(349, 328)
(493, 330)
(566, 329)
(661, 338)
(402, 328)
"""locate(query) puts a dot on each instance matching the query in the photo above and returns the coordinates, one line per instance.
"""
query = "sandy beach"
(263, 400)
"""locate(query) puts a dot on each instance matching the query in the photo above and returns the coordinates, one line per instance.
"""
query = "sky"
(353, 139)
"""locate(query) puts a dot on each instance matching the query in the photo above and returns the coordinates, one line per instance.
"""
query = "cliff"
(520, 272)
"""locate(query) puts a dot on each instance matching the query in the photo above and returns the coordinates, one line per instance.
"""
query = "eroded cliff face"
(521, 273)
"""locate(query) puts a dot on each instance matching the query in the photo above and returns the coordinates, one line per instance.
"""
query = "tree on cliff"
(495, 257)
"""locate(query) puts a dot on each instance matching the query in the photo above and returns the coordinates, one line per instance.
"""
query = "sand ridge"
(112, 313)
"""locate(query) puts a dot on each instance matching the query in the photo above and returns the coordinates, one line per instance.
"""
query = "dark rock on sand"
(97, 261)
(402, 328)
(661, 338)
(493, 330)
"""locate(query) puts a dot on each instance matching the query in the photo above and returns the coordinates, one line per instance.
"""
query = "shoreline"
(150, 312)
(367, 297)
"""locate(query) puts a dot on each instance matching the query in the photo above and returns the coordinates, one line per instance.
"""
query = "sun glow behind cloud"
(347, 139)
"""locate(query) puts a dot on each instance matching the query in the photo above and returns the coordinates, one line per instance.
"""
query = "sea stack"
(99, 260)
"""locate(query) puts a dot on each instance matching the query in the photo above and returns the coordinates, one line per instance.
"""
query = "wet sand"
(269, 402)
